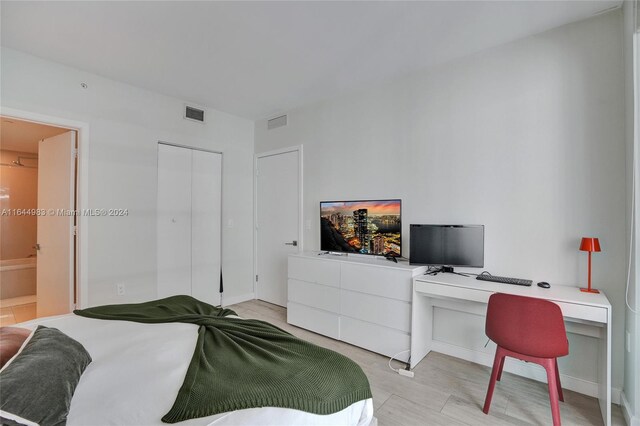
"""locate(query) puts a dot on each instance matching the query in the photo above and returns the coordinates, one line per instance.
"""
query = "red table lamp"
(590, 245)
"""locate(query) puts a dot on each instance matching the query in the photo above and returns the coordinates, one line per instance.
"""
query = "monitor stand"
(445, 270)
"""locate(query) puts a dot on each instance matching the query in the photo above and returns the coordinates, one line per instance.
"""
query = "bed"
(137, 370)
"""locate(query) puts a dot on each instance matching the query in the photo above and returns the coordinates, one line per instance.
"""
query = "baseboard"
(531, 371)
(232, 300)
(629, 416)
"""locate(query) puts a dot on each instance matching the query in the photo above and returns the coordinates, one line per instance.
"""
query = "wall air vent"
(191, 113)
(277, 122)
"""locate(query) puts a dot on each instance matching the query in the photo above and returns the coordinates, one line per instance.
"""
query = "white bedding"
(137, 370)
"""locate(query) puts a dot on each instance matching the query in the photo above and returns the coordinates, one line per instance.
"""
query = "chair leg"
(501, 366)
(492, 380)
(553, 390)
(560, 395)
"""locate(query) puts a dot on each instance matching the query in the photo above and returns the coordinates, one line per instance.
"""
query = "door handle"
(292, 243)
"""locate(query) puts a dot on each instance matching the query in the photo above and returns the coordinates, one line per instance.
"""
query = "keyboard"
(504, 280)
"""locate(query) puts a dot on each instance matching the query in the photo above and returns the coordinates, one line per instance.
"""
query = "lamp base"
(589, 290)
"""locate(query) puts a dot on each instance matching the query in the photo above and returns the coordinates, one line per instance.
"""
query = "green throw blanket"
(246, 363)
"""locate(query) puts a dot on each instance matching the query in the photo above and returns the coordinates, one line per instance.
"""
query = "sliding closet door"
(205, 226)
(189, 218)
(174, 220)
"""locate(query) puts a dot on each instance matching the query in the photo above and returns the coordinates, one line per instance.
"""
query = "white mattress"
(137, 370)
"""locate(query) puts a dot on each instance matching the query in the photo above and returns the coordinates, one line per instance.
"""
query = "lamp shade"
(589, 244)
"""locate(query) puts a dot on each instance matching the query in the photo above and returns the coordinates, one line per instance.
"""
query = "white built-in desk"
(585, 313)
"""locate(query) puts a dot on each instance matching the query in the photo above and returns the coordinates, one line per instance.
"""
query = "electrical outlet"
(120, 289)
(230, 223)
(628, 341)
(308, 224)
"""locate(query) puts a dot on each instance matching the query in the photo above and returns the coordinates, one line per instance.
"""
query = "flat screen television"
(447, 245)
(364, 226)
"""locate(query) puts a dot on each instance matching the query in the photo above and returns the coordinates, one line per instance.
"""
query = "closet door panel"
(206, 221)
(174, 220)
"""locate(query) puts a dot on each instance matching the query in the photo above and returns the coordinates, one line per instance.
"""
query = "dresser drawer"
(376, 338)
(385, 282)
(321, 322)
(319, 296)
(378, 310)
(314, 271)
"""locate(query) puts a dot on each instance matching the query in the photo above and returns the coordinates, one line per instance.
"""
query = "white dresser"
(362, 300)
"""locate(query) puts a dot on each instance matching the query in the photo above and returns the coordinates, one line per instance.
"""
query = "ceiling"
(23, 136)
(256, 59)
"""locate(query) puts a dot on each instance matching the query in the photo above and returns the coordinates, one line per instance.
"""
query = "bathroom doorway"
(38, 177)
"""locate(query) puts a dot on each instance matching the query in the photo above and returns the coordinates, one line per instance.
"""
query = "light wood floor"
(445, 390)
(13, 314)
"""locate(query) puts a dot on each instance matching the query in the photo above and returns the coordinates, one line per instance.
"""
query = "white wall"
(526, 138)
(632, 324)
(125, 125)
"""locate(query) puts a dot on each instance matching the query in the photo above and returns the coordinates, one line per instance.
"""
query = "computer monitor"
(447, 245)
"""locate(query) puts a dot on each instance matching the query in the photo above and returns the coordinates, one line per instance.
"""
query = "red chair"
(531, 330)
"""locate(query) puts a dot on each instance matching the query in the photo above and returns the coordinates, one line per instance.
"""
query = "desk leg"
(604, 375)
(421, 327)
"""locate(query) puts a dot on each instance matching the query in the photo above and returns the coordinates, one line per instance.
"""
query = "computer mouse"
(544, 284)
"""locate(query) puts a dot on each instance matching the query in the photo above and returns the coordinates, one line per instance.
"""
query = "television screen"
(447, 245)
(366, 227)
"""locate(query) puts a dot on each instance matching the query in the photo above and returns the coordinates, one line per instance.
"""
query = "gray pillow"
(39, 382)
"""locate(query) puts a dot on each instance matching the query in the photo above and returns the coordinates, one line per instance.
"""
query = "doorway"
(38, 221)
(278, 220)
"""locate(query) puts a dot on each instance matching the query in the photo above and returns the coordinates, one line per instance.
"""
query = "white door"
(277, 222)
(206, 203)
(56, 192)
(189, 218)
(174, 220)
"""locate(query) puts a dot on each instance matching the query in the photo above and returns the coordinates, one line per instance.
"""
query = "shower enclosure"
(18, 198)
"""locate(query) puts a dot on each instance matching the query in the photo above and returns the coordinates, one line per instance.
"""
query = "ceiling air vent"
(192, 113)
(277, 122)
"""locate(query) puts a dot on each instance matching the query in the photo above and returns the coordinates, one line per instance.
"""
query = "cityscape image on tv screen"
(367, 227)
